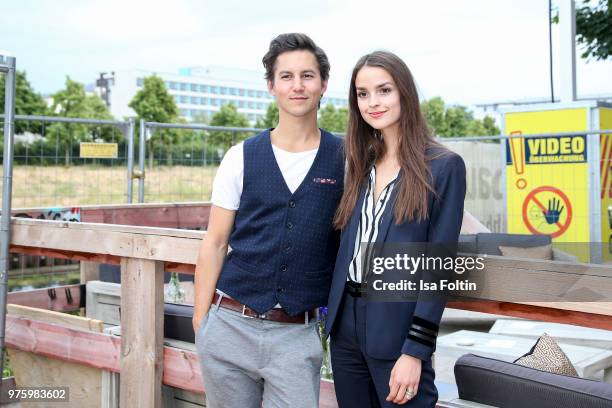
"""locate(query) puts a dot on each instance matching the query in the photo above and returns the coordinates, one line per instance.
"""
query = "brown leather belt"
(277, 315)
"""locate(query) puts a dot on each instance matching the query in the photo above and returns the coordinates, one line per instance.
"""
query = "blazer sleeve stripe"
(422, 329)
(418, 337)
(424, 323)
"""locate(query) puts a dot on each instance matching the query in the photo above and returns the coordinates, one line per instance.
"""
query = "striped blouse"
(369, 221)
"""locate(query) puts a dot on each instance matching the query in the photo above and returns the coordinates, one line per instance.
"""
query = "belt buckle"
(259, 316)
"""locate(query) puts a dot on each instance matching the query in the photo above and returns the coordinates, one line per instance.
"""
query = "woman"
(401, 186)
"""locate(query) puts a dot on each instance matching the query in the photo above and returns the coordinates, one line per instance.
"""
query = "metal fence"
(179, 161)
(175, 162)
(50, 171)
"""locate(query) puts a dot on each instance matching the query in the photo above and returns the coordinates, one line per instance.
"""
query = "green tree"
(228, 116)
(270, 119)
(73, 102)
(593, 28)
(332, 119)
(153, 103)
(434, 111)
(455, 121)
(27, 102)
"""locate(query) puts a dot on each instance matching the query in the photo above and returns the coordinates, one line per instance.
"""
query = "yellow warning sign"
(98, 150)
(547, 177)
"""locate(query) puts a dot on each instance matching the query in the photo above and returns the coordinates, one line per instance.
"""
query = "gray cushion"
(503, 384)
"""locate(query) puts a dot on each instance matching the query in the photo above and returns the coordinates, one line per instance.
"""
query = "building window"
(251, 93)
(184, 112)
(223, 90)
(194, 100)
(233, 91)
(177, 98)
(251, 105)
(260, 105)
(214, 89)
(260, 94)
(172, 85)
(214, 102)
(193, 87)
(139, 82)
(184, 99)
(241, 104)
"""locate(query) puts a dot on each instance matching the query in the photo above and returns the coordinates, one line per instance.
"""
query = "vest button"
(289, 225)
(283, 268)
(291, 204)
(287, 247)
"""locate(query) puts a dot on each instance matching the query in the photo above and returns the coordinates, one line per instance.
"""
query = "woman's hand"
(405, 375)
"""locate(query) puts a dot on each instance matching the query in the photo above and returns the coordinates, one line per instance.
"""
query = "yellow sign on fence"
(98, 150)
(547, 177)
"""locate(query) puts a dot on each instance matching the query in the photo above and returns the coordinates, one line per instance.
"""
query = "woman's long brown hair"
(363, 149)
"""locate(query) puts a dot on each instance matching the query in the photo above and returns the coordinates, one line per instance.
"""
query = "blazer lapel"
(387, 218)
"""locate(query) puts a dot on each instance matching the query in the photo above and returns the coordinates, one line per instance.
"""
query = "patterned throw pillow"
(546, 355)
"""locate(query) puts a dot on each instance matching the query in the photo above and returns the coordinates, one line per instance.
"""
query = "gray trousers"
(253, 363)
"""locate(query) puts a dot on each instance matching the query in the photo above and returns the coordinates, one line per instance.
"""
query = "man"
(274, 198)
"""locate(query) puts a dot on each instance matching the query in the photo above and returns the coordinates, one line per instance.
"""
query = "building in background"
(199, 92)
(496, 108)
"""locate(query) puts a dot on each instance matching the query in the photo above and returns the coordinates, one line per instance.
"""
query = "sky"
(467, 52)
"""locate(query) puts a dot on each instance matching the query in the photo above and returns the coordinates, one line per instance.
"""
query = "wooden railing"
(145, 252)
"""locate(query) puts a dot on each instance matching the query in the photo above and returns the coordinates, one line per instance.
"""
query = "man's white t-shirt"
(227, 187)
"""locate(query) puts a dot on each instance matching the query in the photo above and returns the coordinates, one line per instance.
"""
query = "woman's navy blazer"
(411, 327)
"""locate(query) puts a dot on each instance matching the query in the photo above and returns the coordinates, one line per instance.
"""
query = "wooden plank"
(577, 268)
(66, 254)
(32, 370)
(142, 314)
(107, 228)
(40, 298)
(190, 215)
(134, 242)
(182, 369)
(520, 281)
(49, 316)
(77, 346)
(555, 314)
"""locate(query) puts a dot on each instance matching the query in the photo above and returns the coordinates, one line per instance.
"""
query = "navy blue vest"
(284, 245)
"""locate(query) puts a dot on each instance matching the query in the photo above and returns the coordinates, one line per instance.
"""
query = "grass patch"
(60, 186)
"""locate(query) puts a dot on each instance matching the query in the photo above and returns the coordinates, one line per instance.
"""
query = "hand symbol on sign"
(554, 212)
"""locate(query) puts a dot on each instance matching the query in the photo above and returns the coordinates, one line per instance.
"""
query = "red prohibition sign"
(532, 197)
